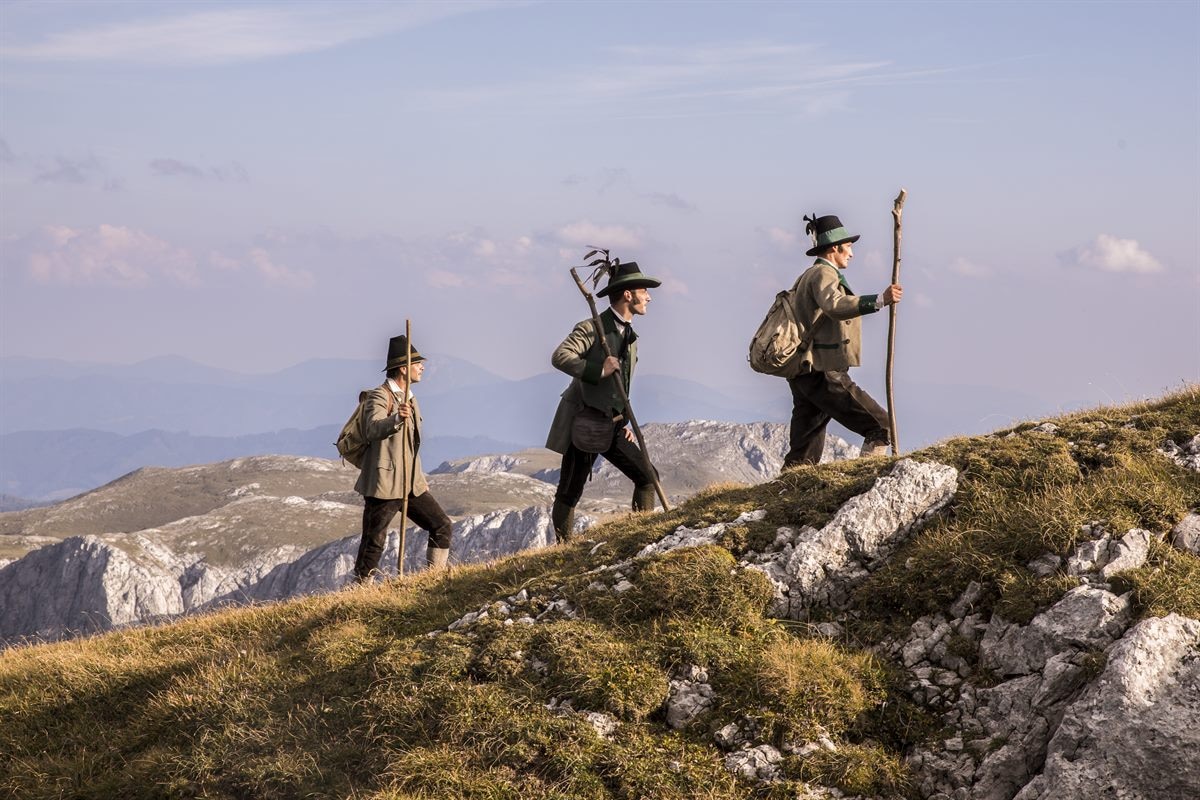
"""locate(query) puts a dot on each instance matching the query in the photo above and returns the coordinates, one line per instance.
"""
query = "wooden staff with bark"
(408, 479)
(897, 210)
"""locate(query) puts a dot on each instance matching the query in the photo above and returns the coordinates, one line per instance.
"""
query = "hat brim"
(632, 282)
(417, 358)
(823, 247)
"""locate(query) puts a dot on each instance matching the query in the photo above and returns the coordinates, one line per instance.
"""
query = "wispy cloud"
(619, 178)
(232, 172)
(779, 238)
(1111, 254)
(670, 200)
(970, 269)
(69, 170)
(664, 82)
(444, 279)
(278, 274)
(231, 35)
(588, 234)
(110, 255)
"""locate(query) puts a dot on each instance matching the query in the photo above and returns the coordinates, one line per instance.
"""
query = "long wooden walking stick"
(408, 483)
(897, 210)
(616, 376)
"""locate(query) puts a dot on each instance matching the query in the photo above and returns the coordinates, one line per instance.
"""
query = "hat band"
(835, 235)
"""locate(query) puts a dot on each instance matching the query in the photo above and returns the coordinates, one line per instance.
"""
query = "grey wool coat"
(837, 335)
(393, 460)
(581, 356)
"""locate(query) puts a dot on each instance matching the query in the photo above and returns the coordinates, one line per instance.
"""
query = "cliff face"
(86, 585)
(241, 531)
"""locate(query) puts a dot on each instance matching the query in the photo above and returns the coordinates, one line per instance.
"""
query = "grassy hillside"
(346, 695)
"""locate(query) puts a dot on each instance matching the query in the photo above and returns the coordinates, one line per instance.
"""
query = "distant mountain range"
(159, 542)
(66, 427)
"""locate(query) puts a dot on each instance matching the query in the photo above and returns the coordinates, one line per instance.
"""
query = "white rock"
(728, 736)
(824, 565)
(1135, 732)
(688, 700)
(1086, 617)
(1045, 565)
(1128, 552)
(759, 764)
(1186, 535)
(605, 724)
(1186, 455)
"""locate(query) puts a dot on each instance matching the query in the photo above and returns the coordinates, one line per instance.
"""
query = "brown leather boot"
(643, 498)
(563, 517)
(875, 448)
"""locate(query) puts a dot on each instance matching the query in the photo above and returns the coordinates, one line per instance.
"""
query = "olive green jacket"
(837, 335)
(581, 356)
(393, 459)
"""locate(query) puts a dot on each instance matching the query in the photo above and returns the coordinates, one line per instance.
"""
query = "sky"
(251, 185)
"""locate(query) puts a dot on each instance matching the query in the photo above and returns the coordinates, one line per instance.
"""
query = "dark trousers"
(423, 509)
(818, 397)
(577, 466)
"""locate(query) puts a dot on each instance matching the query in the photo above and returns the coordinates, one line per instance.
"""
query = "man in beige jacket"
(391, 468)
(832, 314)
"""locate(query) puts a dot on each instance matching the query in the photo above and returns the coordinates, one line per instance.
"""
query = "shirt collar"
(395, 387)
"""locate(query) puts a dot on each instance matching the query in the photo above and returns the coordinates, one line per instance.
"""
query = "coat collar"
(841, 275)
(608, 321)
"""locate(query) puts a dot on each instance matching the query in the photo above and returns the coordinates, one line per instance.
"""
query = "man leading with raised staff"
(829, 310)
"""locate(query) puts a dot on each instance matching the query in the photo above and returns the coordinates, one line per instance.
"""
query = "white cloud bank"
(1111, 254)
(106, 255)
(115, 255)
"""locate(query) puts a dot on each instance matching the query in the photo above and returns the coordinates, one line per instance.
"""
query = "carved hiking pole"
(616, 376)
(408, 483)
(897, 210)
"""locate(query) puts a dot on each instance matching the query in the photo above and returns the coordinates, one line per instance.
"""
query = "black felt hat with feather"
(826, 232)
(627, 276)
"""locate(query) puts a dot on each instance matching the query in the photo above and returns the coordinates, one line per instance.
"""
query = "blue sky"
(252, 185)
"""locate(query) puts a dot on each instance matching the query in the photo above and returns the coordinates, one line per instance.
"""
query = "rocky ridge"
(1081, 702)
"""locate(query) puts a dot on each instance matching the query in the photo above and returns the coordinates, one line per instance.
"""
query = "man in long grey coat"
(391, 468)
(832, 315)
(592, 387)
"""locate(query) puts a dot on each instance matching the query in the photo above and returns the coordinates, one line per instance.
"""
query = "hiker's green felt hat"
(628, 276)
(826, 232)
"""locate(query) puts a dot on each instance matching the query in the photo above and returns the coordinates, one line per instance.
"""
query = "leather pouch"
(592, 430)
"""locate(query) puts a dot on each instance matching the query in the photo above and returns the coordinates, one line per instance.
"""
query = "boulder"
(821, 567)
(1086, 617)
(1134, 733)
